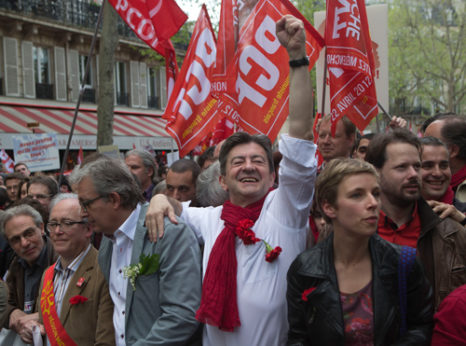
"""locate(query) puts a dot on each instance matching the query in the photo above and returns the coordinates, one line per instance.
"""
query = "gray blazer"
(161, 311)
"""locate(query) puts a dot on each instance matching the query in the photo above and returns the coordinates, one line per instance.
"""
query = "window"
(153, 88)
(89, 91)
(82, 70)
(42, 72)
(41, 65)
(120, 83)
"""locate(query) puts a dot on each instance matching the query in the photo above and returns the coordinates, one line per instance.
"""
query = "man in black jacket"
(406, 218)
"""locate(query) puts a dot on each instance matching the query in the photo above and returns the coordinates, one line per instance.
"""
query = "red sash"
(55, 332)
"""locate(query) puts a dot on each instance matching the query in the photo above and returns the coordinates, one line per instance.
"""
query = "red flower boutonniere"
(307, 292)
(78, 300)
(244, 232)
(271, 253)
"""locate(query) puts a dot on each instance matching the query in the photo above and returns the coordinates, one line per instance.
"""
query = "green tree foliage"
(427, 55)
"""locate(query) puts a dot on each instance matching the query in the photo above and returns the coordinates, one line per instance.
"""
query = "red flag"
(222, 130)
(166, 17)
(171, 67)
(191, 110)
(258, 77)
(226, 43)
(136, 13)
(7, 162)
(350, 62)
(80, 155)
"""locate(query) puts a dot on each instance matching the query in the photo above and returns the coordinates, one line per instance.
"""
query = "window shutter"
(60, 73)
(73, 74)
(163, 88)
(134, 80)
(29, 81)
(143, 85)
(10, 49)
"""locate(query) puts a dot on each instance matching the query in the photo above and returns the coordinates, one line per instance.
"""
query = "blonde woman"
(345, 290)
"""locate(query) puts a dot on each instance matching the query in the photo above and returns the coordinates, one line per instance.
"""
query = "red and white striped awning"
(15, 117)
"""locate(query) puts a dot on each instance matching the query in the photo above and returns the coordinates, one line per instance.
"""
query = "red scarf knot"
(244, 232)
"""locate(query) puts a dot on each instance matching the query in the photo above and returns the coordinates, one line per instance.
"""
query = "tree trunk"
(108, 44)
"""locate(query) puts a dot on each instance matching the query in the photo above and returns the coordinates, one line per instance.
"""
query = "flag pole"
(389, 118)
(324, 84)
(81, 92)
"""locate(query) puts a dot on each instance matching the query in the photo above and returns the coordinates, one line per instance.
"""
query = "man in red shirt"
(407, 219)
(451, 130)
(436, 177)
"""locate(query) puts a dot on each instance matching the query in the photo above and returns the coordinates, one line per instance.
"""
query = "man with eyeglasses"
(43, 189)
(23, 228)
(156, 287)
(75, 275)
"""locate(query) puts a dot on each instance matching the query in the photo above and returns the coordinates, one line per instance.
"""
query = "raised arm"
(291, 34)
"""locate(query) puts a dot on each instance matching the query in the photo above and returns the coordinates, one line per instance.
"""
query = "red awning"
(14, 119)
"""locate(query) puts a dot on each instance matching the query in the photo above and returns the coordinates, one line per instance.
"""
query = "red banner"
(171, 67)
(191, 110)
(226, 43)
(137, 14)
(166, 17)
(7, 162)
(258, 77)
(350, 62)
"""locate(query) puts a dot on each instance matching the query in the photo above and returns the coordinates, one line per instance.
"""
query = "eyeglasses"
(87, 203)
(64, 224)
(39, 196)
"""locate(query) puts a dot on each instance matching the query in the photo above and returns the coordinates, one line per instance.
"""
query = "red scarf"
(55, 331)
(458, 178)
(219, 305)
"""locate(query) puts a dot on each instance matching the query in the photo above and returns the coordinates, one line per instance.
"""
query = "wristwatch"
(300, 62)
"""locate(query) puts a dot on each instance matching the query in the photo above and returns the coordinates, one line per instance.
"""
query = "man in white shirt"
(250, 241)
(155, 287)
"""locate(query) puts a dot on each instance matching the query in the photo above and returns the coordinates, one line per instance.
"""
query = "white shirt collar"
(128, 228)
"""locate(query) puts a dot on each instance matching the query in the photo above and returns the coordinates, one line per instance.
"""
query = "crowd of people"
(246, 246)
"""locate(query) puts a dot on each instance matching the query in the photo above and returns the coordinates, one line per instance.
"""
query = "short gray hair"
(208, 189)
(109, 176)
(160, 188)
(60, 197)
(22, 209)
(147, 160)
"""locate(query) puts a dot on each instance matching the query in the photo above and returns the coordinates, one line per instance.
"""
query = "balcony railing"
(153, 102)
(122, 99)
(89, 95)
(44, 91)
(67, 12)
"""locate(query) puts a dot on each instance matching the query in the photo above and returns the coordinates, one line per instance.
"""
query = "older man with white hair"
(74, 296)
